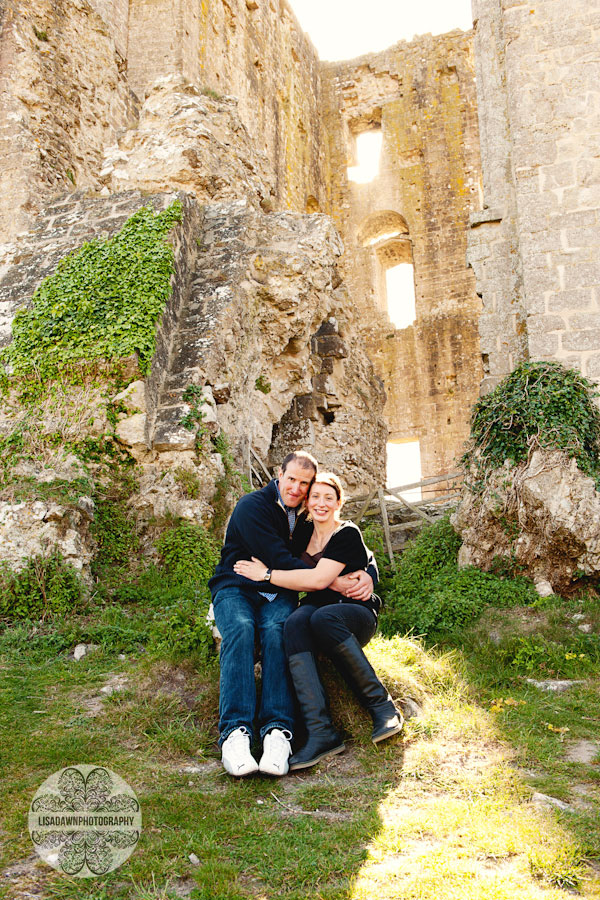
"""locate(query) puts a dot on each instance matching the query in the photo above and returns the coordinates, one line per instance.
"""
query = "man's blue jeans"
(240, 614)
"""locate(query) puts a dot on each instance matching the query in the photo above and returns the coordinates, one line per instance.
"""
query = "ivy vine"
(102, 303)
(540, 404)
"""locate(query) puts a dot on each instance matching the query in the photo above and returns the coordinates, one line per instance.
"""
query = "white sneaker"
(276, 752)
(236, 756)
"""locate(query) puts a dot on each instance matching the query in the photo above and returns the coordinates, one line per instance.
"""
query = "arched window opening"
(368, 153)
(400, 286)
(385, 233)
(404, 466)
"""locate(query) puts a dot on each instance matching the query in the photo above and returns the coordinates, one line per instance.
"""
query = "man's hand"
(356, 585)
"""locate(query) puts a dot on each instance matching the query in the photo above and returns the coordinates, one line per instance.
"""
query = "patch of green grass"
(443, 812)
(430, 595)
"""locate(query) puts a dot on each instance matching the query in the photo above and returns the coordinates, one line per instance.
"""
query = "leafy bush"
(429, 595)
(116, 538)
(187, 553)
(540, 404)
(182, 631)
(46, 586)
(102, 302)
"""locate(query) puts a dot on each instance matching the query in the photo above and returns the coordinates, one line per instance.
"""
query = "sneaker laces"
(280, 741)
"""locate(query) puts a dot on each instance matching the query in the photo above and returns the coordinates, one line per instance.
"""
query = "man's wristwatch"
(267, 575)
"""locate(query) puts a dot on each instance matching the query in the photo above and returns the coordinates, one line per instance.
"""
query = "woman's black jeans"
(320, 629)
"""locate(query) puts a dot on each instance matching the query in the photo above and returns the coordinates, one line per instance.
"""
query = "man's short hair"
(304, 459)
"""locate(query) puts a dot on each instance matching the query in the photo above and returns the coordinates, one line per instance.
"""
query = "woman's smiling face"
(323, 502)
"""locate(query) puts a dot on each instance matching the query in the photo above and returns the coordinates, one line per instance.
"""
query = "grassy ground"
(445, 811)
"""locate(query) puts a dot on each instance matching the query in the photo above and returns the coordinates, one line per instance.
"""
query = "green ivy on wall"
(102, 303)
(540, 404)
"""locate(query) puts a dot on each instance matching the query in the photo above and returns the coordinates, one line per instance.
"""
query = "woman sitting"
(328, 622)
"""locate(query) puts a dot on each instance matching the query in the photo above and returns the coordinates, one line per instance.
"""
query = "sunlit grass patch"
(406, 666)
(484, 846)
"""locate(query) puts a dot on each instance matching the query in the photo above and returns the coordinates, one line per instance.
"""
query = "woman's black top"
(346, 546)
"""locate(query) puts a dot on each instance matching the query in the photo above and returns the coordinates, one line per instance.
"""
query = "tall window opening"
(385, 233)
(404, 466)
(400, 287)
(368, 154)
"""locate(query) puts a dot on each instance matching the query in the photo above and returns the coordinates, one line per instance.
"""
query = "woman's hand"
(357, 585)
(255, 570)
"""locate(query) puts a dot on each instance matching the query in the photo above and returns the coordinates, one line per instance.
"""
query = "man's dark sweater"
(259, 527)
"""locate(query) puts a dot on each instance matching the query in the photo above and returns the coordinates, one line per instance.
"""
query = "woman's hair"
(331, 479)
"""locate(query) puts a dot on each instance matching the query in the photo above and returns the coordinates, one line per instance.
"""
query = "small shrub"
(116, 537)
(231, 486)
(536, 656)
(46, 586)
(558, 867)
(540, 404)
(187, 553)
(188, 481)
(182, 631)
(263, 384)
(429, 595)
(39, 642)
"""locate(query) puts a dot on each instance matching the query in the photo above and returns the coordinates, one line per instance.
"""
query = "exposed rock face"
(63, 97)
(186, 140)
(544, 516)
(270, 326)
(32, 528)
(259, 325)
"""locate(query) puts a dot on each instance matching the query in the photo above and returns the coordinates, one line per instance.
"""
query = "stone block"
(544, 324)
(583, 321)
(592, 366)
(564, 301)
(581, 340)
(172, 437)
(543, 346)
(134, 396)
(329, 326)
(331, 345)
(306, 407)
(132, 431)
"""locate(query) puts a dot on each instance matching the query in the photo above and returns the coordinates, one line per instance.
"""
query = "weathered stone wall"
(186, 140)
(63, 97)
(254, 50)
(116, 15)
(534, 246)
(421, 96)
(269, 331)
(258, 316)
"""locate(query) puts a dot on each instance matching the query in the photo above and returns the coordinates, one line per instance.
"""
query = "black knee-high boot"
(323, 739)
(360, 675)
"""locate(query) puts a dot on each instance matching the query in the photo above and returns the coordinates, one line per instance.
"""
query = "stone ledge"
(486, 216)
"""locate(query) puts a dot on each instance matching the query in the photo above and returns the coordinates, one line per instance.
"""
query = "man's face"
(294, 483)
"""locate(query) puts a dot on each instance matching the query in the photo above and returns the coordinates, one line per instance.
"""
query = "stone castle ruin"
(487, 187)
